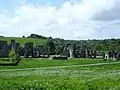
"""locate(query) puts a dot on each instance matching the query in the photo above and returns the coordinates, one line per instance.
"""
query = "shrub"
(14, 56)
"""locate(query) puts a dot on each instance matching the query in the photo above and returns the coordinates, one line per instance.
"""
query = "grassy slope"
(22, 41)
(104, 77)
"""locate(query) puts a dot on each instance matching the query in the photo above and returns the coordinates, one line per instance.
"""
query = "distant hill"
(22, 41)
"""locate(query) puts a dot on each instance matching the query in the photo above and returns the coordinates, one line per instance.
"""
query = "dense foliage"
(99, 45)
(14, 56)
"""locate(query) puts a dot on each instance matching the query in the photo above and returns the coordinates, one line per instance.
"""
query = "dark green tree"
(50, 46)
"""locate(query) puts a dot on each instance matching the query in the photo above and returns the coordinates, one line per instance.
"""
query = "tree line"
(57, 45)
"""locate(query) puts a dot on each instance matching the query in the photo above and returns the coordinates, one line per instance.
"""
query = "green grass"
(101, 77)
(22, 41)
(37, 63)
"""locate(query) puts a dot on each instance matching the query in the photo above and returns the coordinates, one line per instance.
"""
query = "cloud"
(84, 19)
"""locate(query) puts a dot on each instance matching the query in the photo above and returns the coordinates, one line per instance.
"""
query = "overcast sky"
(68, 19)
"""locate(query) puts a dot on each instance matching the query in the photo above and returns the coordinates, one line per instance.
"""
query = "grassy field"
(37, 63)
(99, 77)
(22, 41)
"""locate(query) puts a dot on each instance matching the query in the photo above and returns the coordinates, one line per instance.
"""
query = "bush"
(14, 56)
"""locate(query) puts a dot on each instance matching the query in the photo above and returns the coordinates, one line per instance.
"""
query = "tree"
(23, 36)
(51, 46)
(14, 56)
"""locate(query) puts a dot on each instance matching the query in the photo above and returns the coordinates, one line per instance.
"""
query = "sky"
(67, 19)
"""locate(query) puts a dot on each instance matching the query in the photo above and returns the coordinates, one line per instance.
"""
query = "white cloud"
(70, 21)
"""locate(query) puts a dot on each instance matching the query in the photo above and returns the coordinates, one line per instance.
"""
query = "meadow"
(37, 63)
(22, 41)
(70, 77)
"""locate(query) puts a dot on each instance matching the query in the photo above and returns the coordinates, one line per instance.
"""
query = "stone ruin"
(28, 48)
(39, 51)
(73, 52)
(4, 49)
(17, 48)
(58, 57)
(12, 44)
(81, 53)
(21, 51)
(112, 55)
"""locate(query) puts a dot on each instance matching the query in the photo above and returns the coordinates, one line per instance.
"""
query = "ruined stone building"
(28, 48)
(112, 55)
(4, 49)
